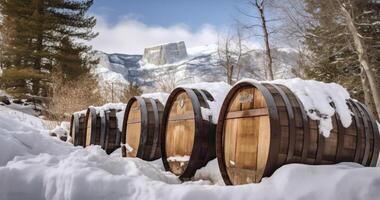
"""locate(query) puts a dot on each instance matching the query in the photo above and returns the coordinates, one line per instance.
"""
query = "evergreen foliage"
(39, 38)
(334, 57)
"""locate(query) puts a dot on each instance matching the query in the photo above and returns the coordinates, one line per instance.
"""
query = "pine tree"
(19, 70)
(69, 60)
(39, 38)
(71, 57)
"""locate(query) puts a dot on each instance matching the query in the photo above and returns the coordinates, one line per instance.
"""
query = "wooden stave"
(204, 146)
(149, 147)
(91, 112)
(320, 142)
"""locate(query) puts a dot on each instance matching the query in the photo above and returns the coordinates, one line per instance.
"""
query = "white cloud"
(132, 36)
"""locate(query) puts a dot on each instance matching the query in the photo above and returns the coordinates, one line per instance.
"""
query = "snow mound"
(320, 100)
(210, 172)
(25, 122)
(22, 135)
(218, 90)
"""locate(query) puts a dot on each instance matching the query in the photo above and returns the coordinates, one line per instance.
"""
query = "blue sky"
(128, 26)
(193, 13)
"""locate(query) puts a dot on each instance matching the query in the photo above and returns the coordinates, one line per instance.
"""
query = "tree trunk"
(363, 59)
(368, 99)
(268, 68)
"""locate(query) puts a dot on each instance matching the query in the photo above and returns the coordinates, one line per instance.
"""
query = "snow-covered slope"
(201, 64)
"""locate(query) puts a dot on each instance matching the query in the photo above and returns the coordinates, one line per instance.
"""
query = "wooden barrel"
(264, 126)
(188, 140)
(95, 126)
(110, 138)
(141, 128)
(77, 129)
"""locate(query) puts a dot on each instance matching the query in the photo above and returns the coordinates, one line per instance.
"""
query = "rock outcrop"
(165, 54)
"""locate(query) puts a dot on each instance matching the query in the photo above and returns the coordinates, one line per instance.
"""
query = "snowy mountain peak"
(174, 64)
(165, 54)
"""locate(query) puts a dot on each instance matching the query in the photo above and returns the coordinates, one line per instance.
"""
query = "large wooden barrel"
(264, 126)
(141, 128)
(188, 140)
(111, 137)
(95, 126)
(77, 128)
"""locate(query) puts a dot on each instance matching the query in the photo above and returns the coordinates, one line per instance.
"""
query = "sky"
(128, 26)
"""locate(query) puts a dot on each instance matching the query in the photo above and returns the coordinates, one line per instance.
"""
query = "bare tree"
(71, 96)
(231, 50)
(133, 89)
(168, 81)
(260, 6)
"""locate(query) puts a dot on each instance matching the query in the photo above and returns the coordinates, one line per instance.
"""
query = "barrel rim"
(359, 130)
(376, 136)
(103, 134)
(274, 126)
(190, 169)
(75, 117)
(71, 124)
(367, 129)
(156, 138)
(144, 122)
(305, 124)
(291, 121)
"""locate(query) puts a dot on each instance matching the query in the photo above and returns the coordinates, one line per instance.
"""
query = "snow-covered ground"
(36, 166)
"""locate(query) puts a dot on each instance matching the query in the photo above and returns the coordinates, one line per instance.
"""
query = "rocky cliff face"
(165, 54)
(199, 64)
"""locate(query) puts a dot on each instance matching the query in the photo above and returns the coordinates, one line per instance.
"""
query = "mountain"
(193, 65)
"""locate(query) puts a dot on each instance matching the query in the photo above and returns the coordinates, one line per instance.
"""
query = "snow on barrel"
(141, 126)
(188, 127)
(77, 128)
(263, 126)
